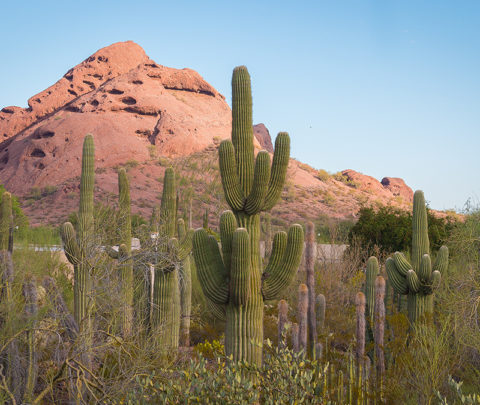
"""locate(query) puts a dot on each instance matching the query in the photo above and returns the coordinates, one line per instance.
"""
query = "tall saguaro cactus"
(235, 279)
(78, 245)
(418, 279)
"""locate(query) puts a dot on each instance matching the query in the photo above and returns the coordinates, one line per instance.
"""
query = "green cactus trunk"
(236, 279)
(166, 295)
(419, 279)
(185, 284)
(166, 310)
(78, 246)
(125, 227)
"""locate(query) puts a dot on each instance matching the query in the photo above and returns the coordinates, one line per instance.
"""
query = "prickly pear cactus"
(235, 279)
(418, 279)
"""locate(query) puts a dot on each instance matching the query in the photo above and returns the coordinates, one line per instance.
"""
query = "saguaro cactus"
(310, 258)
(419, 279)
(185, 280)
(250, 185)
(282, 322)
(30, 294)
(320, 311)
(166, 289)
(360, 329)
(13, 372)
(166, 294)
(124, 251)
(78, 245)
(302, 316)
(379, 328)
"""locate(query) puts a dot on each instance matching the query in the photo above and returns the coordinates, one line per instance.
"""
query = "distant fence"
(326, 252)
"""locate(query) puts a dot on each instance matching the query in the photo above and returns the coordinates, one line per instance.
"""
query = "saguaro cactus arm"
(280, 274)
(230, 181)
(72, 250)
(279, 170)
(441, 261)
(397, 281)
(212, 274)
(255, 199)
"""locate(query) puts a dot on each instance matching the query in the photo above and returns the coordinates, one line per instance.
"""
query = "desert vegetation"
(151, 311)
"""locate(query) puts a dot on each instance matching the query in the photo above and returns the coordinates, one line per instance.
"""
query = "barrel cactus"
(418, 279)
(235, 278)
(78, 245)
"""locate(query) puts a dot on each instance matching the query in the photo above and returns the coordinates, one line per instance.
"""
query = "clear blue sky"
(387, 88)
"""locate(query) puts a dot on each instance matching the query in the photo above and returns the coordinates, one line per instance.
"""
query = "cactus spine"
(310, 255)
(419, 279)
(250, 185)
(78, 245)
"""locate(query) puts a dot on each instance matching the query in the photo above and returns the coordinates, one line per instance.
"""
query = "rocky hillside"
(146, 116)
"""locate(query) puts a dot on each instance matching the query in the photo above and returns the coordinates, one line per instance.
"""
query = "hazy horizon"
(386, 89)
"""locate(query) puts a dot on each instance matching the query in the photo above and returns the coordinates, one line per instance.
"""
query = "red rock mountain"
(146, 116)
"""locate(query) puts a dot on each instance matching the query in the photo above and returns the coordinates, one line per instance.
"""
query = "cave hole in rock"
(94, 103)
(37, 152)
(129, 100)
(4, 159)
(40, 134)
(73, 93)
(40, 166)
(116, 91)
(137, 82)
(72, 108)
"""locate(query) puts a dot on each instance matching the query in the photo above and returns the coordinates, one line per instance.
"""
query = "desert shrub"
(285, 377)
(390, 229)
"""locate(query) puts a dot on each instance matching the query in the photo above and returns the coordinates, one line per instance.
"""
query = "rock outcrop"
(146, 116)
(263, 137)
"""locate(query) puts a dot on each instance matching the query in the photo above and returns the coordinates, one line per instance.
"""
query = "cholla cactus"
(235, 279)
(419, 279)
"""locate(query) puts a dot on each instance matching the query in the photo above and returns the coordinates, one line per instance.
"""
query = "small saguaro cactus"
(282, 322)
(235, 279)
(302, 316)
(166, 294)
(320, 311)
(30, 295)
(310, 258)
(124, 252)
(379, 327)
(360, 329)
(418, 279)
(78, 245)
(185, 280)
(166, 311)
